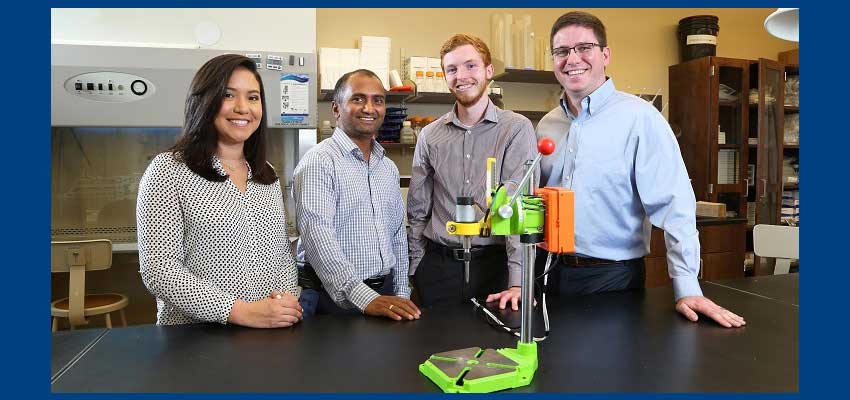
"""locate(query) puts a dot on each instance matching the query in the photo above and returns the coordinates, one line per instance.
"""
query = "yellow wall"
(643, 41)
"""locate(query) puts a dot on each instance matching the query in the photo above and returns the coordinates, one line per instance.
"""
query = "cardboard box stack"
(373, 54)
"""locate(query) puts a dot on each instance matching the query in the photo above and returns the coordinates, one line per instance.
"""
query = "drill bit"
(467, 256)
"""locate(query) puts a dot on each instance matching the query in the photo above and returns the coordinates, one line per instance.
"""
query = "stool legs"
(54, 321)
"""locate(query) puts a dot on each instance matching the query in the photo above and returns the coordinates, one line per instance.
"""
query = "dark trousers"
(570, 280)
(316, 301)
(439, 277)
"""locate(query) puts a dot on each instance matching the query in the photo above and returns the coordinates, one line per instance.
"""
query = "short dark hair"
(199, 139)
(583, 19)
(342, 83)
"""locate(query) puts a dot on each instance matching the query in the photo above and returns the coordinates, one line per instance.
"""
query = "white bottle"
(430, 85)
(440, 78)
(407, 135)
(420, 81)
(326, 131)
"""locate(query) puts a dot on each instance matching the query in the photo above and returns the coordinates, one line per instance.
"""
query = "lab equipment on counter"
(540, 217)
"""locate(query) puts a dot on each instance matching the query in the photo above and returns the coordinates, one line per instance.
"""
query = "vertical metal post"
(527, 300)
(527, 292)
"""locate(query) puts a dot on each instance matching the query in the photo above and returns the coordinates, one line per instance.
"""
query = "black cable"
(497, 323)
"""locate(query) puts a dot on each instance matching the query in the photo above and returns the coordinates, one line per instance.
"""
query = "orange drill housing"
(559, 227)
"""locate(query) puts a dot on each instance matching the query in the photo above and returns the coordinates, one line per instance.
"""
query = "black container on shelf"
(396, 112)
(389, 136)
(390, 130)
(698, 36)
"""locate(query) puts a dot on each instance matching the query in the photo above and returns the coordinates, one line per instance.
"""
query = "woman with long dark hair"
(211, 226)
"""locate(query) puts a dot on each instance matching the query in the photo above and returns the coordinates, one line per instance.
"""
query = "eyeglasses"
(581, 49)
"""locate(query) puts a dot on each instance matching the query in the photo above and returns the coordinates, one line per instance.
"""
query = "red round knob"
(546, 146)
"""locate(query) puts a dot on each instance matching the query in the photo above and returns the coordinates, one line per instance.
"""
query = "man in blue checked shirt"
(622, 160)
(353, 248)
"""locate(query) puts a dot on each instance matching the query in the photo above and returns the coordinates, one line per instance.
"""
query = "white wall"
(284, 30)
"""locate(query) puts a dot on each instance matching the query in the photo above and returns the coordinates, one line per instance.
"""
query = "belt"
(576, 261)
(308, 279)
(457, 252)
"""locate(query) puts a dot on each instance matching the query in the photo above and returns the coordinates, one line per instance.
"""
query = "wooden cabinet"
(722, 247)
(774, 194)
(767, 110)
(656, 261)
(767, 84)
(709, 114)
(729, 117)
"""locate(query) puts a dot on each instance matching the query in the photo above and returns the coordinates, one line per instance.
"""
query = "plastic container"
(395, 115)
(388, 135)
(407, 135)
(430, 83)
(391, 128)
(698, 36)
(420, 81)
(441, 82)
(416, 124)
(326, 130)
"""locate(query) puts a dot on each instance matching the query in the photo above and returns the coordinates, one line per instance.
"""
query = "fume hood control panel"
(128, 86)
(111, 87)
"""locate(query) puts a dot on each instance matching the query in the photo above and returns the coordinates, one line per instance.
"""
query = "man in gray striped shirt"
(350, 215)
(450, 161)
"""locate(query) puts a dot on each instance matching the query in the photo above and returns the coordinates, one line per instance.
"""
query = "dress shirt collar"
(490, 114)
(347, 146)
(594, 101)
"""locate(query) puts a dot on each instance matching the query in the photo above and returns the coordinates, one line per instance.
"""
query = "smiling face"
(466, 74)
(241, 109)
(579, 74)
(363, 106)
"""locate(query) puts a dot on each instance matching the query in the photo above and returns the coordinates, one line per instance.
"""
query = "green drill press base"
(473, 370)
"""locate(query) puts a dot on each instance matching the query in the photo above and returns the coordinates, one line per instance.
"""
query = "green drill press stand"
(476, 370)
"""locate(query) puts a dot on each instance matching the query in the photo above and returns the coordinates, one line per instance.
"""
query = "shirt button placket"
(467, 146)
(250, 219)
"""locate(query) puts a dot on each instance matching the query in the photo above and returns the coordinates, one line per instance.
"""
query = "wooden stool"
(76, 258)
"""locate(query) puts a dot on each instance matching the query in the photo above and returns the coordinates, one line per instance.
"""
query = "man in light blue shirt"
(622, 160)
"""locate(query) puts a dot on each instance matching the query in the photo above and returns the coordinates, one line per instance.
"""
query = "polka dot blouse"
(204, 244)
